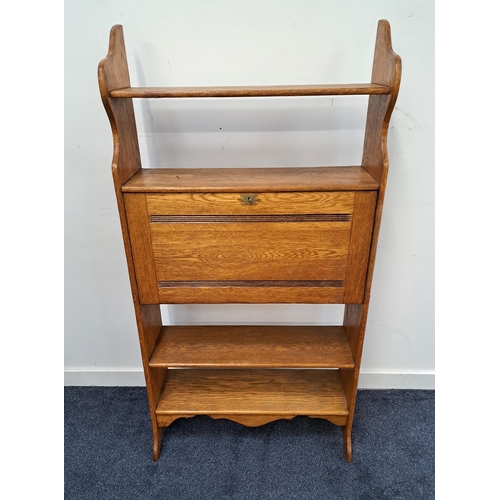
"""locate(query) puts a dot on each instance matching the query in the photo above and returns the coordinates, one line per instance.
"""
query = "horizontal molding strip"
(252, 283)
(172, 219)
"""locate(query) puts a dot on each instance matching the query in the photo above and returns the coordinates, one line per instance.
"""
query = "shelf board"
(286, 179)
(252, 91)
(259, 395)
(252, 347)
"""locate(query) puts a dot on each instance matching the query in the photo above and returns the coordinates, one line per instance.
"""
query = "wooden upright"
(252, 235)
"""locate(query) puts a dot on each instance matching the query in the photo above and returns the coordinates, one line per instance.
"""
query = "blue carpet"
(108, 452)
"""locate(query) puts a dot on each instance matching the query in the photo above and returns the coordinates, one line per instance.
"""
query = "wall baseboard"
(367, 379)
(112, 377)
(396, 380)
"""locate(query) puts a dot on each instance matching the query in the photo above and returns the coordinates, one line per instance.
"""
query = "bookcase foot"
(157, 435)
(346, 434)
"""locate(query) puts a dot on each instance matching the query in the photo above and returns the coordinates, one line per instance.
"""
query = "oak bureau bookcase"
(313, 234)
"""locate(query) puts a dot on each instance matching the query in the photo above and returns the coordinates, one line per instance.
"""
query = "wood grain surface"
(252, 91)
(252, 346)
(242, 180)
(126, 161)
(360, 246)
(386, 70)
(251, 295)
(268, 203)
(252, 392)
(140, 237)
(251, 420)
(251, 251)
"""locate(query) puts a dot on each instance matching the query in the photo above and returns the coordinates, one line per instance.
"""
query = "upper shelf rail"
(253, 91)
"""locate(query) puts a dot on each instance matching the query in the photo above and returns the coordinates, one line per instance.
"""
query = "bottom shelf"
(252, 396)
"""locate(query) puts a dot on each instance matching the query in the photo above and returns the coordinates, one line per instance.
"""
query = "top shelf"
(261, 180)
(253, 91)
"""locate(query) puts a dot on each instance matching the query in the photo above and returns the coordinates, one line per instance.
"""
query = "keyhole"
(248, 199)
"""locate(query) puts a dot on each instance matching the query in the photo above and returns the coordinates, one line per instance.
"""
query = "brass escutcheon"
(249, 199)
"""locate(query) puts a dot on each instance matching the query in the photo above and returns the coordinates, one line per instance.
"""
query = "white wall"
(224, 42)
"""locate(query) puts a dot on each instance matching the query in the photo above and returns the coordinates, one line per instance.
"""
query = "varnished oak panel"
(113, 72)
(252, 392)
(140, 237)
(252, 347)
(359, 246)
(251, 420)
(252, 91)
(126, 161)
(251, 295)
(386, 70)
(251, 251)
(268, 203)
(242, 180)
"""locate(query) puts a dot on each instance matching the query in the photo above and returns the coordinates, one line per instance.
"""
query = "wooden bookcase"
(250, 235)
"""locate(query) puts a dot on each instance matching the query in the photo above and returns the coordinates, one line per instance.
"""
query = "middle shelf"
(252, 346)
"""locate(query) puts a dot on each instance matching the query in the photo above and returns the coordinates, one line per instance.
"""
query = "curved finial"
(386, 71)
(113, 74)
